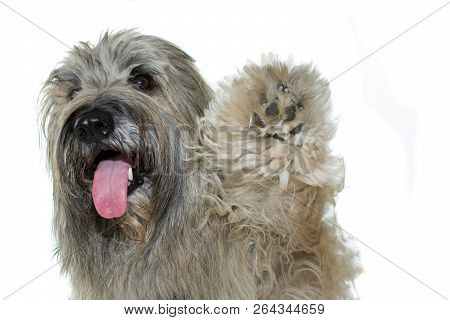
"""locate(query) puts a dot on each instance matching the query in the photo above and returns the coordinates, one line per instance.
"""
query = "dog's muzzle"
(113, 176)
(94, 126)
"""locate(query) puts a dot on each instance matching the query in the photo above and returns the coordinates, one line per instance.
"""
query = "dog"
(165, 190)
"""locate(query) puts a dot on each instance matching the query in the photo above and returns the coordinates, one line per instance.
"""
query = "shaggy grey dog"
(164, 191)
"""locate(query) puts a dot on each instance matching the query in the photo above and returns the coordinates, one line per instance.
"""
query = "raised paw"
(283, 103)
(277, 111)
(278, 122)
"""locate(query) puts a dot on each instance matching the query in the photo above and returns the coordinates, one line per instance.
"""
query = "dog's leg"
(269, 132)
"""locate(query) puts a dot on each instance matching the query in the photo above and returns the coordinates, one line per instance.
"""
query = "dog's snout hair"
(94, 126)
(219, 198)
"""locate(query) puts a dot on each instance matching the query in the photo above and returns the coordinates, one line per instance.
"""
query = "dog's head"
(116, 117)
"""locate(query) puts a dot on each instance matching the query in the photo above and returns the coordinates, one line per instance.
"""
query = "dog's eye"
(143, 82)
(72, 94)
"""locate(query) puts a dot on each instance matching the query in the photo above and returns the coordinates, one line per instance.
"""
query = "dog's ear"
(185, 81)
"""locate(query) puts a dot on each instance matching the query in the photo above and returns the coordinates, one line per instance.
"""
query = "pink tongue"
(110, 187)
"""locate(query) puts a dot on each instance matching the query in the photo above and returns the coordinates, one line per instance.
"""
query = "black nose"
(94, 126)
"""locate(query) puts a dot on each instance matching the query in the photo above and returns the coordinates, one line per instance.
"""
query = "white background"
(394, 109)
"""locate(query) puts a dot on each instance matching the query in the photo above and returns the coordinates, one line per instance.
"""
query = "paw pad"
(284, 89)
(290, 112)
(296, 129)
(272, 110)
(256, 120)
(278, 114)
(284, 105)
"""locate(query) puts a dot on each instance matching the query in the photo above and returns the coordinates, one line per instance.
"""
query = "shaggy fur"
(237, 192)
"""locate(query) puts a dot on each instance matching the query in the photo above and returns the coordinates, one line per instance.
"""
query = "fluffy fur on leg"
(268, 134)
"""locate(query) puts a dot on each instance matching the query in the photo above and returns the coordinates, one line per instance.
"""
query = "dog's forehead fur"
(90, 72)
(115, 55)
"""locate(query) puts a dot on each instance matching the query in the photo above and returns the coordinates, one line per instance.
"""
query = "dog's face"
(116, 117)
